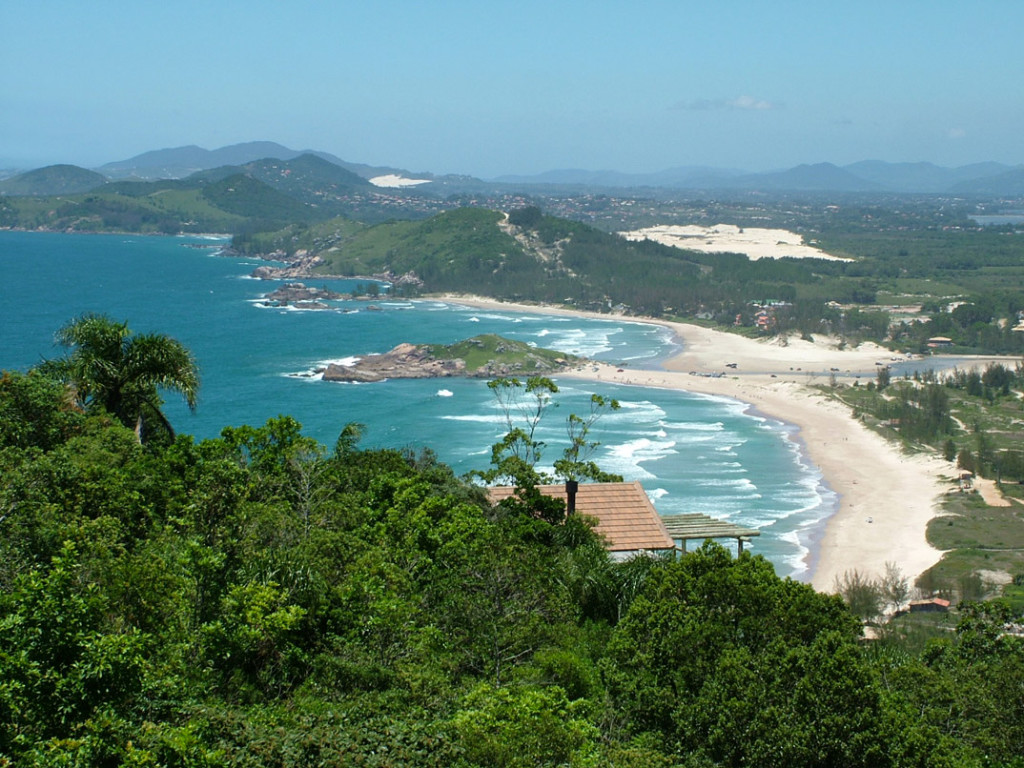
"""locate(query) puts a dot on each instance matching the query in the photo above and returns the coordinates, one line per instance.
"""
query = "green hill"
(308, 178)
(488, 353)
(237, 203)
(471, 250)
(245, 196)
(53, 180)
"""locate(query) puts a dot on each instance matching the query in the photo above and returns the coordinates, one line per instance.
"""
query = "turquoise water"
(692, 453)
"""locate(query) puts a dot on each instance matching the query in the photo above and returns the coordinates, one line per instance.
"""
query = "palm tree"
(112, 368)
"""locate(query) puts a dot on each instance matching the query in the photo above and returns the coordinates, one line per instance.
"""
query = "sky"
(493, 88)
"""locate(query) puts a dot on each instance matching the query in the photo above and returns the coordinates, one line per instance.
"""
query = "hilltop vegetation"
(53, 179)
(168, 207)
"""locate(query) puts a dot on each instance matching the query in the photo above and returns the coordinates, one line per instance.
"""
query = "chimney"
(571, 486)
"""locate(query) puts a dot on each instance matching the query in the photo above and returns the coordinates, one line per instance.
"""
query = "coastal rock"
(406, 361)
(300, 264)
(290, 293)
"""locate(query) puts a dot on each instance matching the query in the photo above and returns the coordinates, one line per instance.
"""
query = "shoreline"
(885, 497)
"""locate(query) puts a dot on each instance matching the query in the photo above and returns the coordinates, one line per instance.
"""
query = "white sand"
(756, 243)
(394, 180)
(886, 497)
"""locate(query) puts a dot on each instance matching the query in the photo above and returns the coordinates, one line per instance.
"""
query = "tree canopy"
(112, 368)
(257, 599)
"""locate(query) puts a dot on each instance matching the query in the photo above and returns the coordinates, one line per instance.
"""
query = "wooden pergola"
(697, 526)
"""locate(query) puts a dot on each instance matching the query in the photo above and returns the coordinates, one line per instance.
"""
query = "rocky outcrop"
(406, 361)
(491, 356)
(291, 293)
(300, 264)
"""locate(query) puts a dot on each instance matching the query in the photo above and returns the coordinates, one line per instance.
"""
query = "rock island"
(488, 356)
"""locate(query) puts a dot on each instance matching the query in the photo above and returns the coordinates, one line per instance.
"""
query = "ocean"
(692, 453)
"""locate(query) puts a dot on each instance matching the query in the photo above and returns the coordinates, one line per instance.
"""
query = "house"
(625, 516)
(933, 605)
(938, 342)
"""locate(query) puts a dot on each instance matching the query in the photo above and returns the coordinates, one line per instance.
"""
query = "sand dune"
(754, 242)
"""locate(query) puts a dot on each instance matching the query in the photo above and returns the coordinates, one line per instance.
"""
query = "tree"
(895, 586)
(523, 405)
(522, 726)
(575, 463)
(883, 377)
(122, 372)
(862, 594)
(724, 659)
(515, 457)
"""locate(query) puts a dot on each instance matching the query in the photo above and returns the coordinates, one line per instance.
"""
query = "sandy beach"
(886, 497)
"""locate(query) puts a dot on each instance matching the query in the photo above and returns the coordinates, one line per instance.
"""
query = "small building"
(625, 516)
(932, 605)
(939, 342)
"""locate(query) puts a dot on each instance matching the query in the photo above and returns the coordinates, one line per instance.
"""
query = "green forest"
(260, 599)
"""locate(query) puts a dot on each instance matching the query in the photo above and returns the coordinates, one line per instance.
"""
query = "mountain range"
(866, 176)
(871, 176)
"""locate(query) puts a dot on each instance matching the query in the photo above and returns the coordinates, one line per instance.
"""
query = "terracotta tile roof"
(625, 516)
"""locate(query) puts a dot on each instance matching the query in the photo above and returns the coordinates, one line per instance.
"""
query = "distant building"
(932, 605)
(936, 342)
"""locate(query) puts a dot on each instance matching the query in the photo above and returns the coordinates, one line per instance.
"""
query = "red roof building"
(625, 516)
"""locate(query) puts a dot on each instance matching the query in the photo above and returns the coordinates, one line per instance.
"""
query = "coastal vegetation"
(972, 417)
(260, 599)
(491, 351)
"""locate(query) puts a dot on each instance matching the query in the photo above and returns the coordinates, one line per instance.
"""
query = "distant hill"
(921, 177)
(866, 176)
(686, 176)
(234, 203)
(1007, 184)
(262, 160)
(53, 180)
(820, 177)
(181, 162)
(308, 177)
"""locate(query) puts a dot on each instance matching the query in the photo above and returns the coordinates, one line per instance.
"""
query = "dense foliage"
(256, 600)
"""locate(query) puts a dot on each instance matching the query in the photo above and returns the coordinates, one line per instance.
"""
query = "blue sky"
(489, 88)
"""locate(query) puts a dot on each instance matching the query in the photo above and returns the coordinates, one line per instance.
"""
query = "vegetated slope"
(245, 196)
(307, 178)
(544, 258)
(302, 236)
(462, 250)
(53, 180)
(236, 203)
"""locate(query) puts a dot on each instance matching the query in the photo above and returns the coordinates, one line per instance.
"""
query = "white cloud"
(740, 102)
